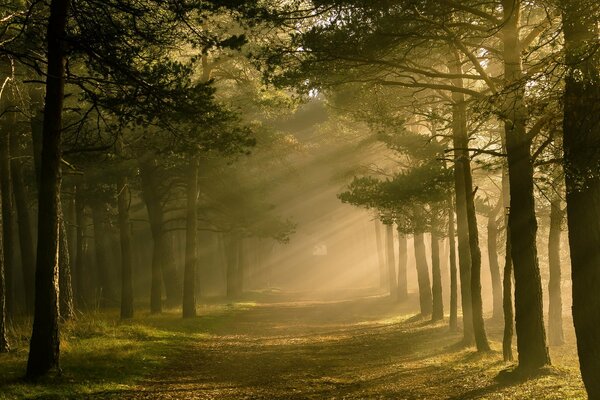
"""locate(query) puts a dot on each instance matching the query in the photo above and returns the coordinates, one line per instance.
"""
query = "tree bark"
(581, 128)
(425, 296)
(191, 233)
(8, 214)
(555, 328)
(529, 317)
(123, 198)
(436, 280)
(26, 244)
(453, 273)
(402, 266)
(492, 246)
(4, 345)
(44, 344)
(66, 308)
(380, 256)
(391, 263)
(80, 286)
(104, 290)
(507, 302)
(460, 142)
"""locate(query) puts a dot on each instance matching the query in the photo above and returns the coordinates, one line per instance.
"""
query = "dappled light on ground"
(298, 347)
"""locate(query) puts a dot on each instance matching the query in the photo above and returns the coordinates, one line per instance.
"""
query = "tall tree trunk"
(66, 308)
(26, 244)
(507, 303)
(529, 317)
(391, 263)
(425, 296)
(104, 289)
(80, 286)
(4, 346)
(461, 157)
(123, 198)
(492, 245)
(581, 127)
(191, 233)
(436, 280)
(44, 345)
(380, 255)
(155, 215)
(402, 266)
(453, 273)
(8, 215)
(555, 328)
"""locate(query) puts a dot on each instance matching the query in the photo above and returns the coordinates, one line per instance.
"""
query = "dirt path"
(355, 349)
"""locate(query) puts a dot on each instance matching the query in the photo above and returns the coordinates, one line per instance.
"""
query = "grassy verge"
(101, 354)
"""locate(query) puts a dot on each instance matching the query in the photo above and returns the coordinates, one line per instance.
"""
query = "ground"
(281, 346)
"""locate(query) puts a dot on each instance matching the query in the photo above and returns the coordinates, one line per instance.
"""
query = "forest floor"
(282, 346)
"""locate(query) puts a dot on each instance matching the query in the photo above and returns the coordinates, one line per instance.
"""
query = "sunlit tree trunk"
(191, 233)
(507, 303)
(436, 280)
(425, 296)
(391, 263)
(44, 344)
(402, 266)
(380, 254)
(461, 156)
(66, 307)
(230, 247)
(453, 273)
(555, 323)
(581, 129)
(531, 333)
(492, 246)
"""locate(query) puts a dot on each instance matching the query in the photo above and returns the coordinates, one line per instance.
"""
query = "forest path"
(354, 349)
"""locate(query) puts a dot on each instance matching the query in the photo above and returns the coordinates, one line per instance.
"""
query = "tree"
(581, 130)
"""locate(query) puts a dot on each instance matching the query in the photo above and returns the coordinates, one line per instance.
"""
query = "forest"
(299, 199)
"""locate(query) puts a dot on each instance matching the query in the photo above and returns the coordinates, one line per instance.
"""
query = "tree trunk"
(8, 215)
(581, 160)
(80, 286)
(4, 346)
(104, 289)
(453, 273)
(436, 280)
(555, 328)
(402, 266)
(425, 296)
(391, 263)
(44, 344)
(241, 267)
(26, 244)
(380, 255)
(123, 199)
(66, 308)
(529, 317)
(492, 245)
(460, 142)
(155, 215)
(507, 303)
(191, 233)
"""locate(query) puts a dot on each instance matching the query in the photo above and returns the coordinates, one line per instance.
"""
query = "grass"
(100, 354)
(282, 347)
